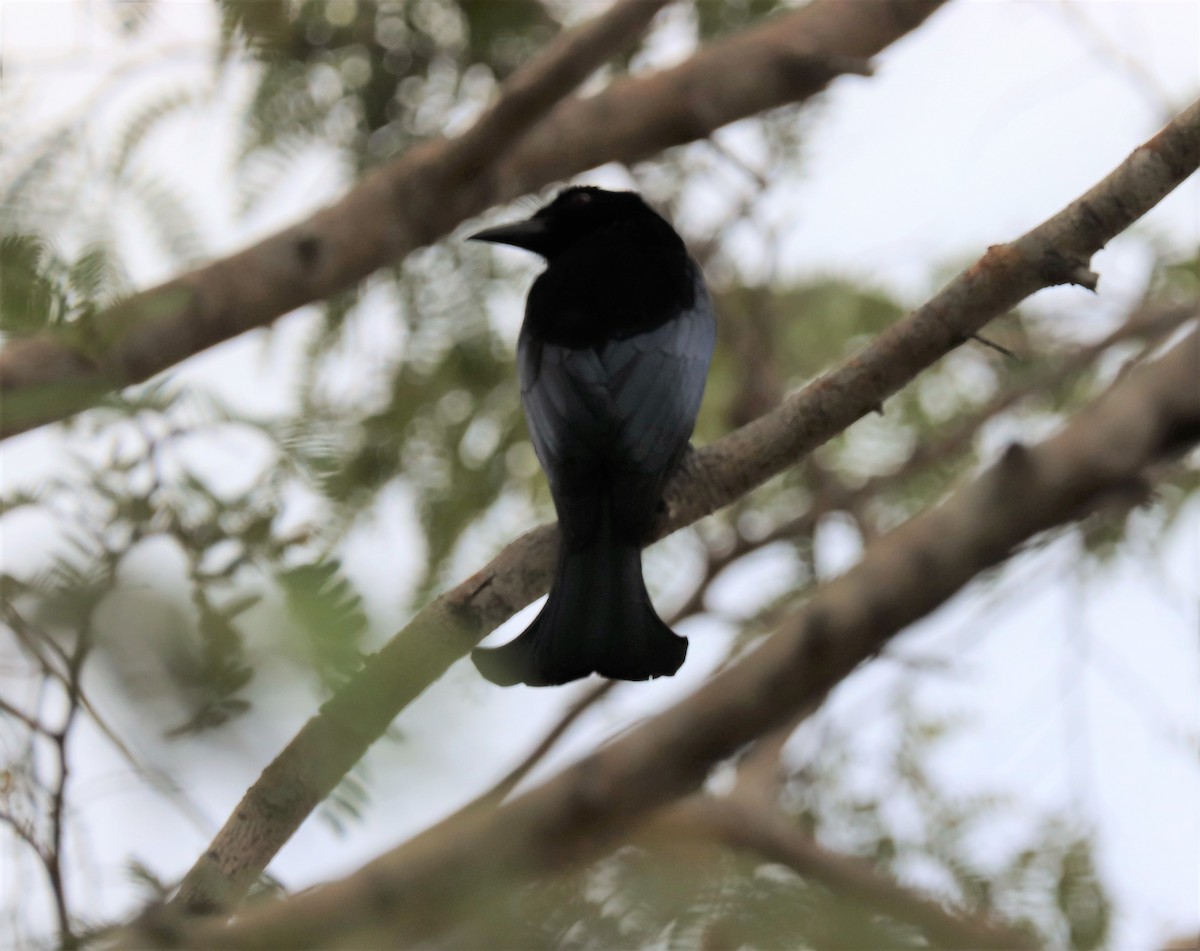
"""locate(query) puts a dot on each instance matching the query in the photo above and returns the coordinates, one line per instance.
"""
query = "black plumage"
(612, 359)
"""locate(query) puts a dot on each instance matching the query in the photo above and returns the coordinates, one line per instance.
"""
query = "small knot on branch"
(1014, 471)
(815, 644)
(1083, 276)
(840, 65)
(308, 249)
(1059, 268)
(818, 69)
(1179, 437)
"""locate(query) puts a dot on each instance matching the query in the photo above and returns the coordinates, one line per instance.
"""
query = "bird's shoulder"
(687, 336)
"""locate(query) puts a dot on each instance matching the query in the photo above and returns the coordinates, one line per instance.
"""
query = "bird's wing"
(655, 381)
(624, 411)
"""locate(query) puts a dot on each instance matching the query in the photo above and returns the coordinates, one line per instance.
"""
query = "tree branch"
(425, 884)
(427, 192)
(446, 630)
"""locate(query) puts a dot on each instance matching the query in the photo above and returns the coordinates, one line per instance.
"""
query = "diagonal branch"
(426, 884)
(445, 631)
(430, 190)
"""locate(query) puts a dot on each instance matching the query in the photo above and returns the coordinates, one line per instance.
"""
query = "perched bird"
(612, 358)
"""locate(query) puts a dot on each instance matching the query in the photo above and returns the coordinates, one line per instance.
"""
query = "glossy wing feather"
(617, 417)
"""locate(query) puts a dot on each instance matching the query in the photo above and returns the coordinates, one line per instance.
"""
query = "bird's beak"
(529, 234)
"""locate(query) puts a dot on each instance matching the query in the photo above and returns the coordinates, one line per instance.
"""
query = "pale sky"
(982, 123)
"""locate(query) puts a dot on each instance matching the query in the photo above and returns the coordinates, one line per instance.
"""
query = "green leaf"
(329, 615)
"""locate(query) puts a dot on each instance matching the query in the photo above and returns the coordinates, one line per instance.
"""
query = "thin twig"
(992, 345)
(506, 785)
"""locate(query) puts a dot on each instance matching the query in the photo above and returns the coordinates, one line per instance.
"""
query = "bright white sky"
(985, 121)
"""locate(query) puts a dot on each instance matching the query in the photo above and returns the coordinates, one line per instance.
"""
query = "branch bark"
(426, 193)
(445, 631)
(425, 884)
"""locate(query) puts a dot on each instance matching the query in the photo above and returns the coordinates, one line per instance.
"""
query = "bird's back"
(616, 417)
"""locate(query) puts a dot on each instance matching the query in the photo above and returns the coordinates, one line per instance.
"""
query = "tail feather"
(598, 619)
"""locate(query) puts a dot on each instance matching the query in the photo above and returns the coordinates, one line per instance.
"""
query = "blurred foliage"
(717, 17)
(40, 291)
(372, 78)
(110, 507)
(940, 849)
(328, 613)
(192, 543)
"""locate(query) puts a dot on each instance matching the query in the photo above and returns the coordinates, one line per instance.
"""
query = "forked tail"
(598, 619)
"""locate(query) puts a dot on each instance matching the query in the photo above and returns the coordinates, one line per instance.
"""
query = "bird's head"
(576, 213)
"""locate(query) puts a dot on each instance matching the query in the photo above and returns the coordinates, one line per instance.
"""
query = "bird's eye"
(579, 199)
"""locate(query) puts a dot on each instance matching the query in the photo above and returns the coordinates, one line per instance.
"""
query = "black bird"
(612, 358)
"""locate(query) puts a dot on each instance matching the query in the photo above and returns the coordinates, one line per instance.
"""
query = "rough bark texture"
(329, 744)
(427, 883)
(426, 193)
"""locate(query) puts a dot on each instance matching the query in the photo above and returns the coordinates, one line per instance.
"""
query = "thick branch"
(334, 740)
(427, 192)
(425, 884)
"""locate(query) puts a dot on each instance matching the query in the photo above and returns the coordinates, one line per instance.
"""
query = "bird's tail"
(598, 619)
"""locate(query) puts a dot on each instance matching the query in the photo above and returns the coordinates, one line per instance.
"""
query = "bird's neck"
(611, 289)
